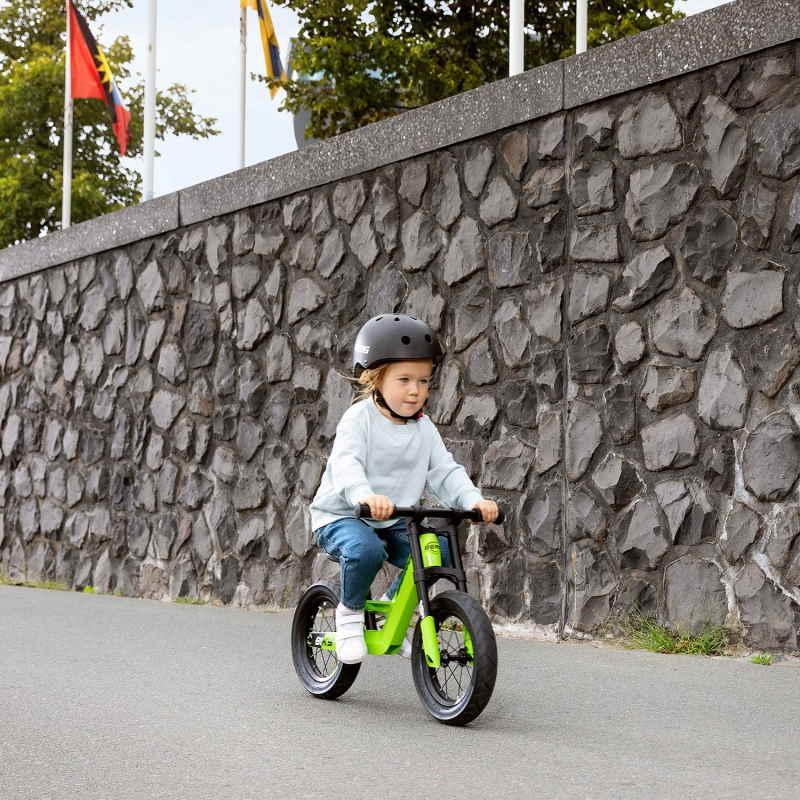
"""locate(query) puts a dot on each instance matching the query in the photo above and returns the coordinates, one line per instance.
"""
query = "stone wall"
(616, 286)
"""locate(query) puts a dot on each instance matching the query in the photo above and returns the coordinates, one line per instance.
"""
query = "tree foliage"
(365, 60)
(32, 39)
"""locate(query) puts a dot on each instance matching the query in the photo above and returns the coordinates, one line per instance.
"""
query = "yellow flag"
(269, 41)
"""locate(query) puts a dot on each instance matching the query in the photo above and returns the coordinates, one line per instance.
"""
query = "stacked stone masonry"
(617, 290)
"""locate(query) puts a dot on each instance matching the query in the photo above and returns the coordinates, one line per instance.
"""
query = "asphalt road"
(104, 697)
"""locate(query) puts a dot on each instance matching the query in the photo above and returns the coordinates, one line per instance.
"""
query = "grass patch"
(190, 601)
(89, 590)
(644, 633)
(52, 585)
(765, 659)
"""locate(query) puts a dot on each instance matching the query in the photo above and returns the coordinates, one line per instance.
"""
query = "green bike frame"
(424, 567)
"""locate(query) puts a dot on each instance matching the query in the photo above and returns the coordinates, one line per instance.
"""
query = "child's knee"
(371, 553)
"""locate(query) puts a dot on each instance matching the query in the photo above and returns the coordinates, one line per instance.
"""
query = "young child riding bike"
(386, 452)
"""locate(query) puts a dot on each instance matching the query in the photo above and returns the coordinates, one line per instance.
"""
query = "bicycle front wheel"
(460, 688)
(320, 672)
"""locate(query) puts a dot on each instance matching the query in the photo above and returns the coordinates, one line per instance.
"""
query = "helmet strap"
(381, 401)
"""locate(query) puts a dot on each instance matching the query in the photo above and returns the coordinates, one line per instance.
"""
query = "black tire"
(319, 670)
(455, 695)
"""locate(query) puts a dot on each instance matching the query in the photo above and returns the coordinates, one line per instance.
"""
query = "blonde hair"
(368, 381)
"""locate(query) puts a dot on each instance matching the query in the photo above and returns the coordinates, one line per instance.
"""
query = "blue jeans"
(361, 551)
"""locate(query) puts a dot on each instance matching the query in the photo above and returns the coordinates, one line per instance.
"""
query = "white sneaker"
(350, 645)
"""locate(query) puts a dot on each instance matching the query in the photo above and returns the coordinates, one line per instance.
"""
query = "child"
(386, 453)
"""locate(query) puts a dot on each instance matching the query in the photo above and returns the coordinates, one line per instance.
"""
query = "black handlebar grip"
(362, 510)
(501, 517)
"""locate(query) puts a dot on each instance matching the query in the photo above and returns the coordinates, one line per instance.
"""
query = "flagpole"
(516, 39)
(150, 102)
(581, 25)
(66, 188)
(242, 81)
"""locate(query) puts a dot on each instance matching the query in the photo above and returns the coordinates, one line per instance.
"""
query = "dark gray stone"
(506, 464)
(544, 309)
(771, 457)
(629, 345)
(682, 326)
(670, 443)
(665, 385)
(305, 296)
(766, 614)
(465, 253)
(545, 186)
(723, 396)
(216, 250)
(422, 239)
(584, 434)
(165, 407)
(776, 134)
(590, 354)
(550, 137)
(694, 596)
(477, 415)
(480, 363)
(592, 186)
(244, 278)
(363, 242)
(331, 254)
(520, 403)
(510, 258)
(199, 335)
(513, 149)
(413, 180)
(658, 196)
(617, 480)
(499, 202)
(548, 375)
(642, 537)
(386, 213)
(647, 275)
(741, 529)
(513, 333)
(348, 198)
(297, 212)
(171, 363)
(151, 289)
(253, 323)
(478, 160)
(588, 295)
(594, 241)
(472, 313)
(619, 413)
(445, 398)
(279, 358)
(541, 518)
(751, 298)
(757, 206)
(648, 127)
(446, 194)
(709, 242)
(550, 239)
(691, 517)
(321, 219)
(725, 145)
(585, 516)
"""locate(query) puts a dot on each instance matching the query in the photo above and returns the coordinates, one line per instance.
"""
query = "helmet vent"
(397, 319)
(378, 319)
(428, 337)
(405, 340)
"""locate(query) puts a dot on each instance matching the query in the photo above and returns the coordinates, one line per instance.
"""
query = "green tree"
(366, 60)
(32, 38)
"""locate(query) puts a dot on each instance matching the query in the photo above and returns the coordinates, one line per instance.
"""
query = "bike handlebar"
(363, 510)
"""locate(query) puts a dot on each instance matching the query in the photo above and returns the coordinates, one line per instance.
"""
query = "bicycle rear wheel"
(320, 672)
(460, 688)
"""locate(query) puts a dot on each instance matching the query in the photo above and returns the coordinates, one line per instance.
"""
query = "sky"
(197, 44)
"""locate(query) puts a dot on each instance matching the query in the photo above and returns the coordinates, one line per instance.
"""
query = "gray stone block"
(717, 35)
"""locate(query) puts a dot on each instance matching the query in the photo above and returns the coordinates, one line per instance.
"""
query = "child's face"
(405, 385)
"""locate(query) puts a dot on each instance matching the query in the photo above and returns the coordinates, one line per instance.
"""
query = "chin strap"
(381, 401)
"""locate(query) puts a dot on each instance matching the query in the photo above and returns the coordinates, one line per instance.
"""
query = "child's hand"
(488, 508)
(380, 506)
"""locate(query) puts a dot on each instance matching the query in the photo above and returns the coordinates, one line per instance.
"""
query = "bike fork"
(427, 624)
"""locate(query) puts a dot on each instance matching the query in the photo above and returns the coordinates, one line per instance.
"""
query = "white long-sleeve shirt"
(373, 455)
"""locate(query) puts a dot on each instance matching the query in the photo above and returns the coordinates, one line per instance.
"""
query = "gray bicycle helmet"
(393, 337)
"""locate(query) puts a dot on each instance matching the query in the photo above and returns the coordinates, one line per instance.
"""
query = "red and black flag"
(91, 75)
